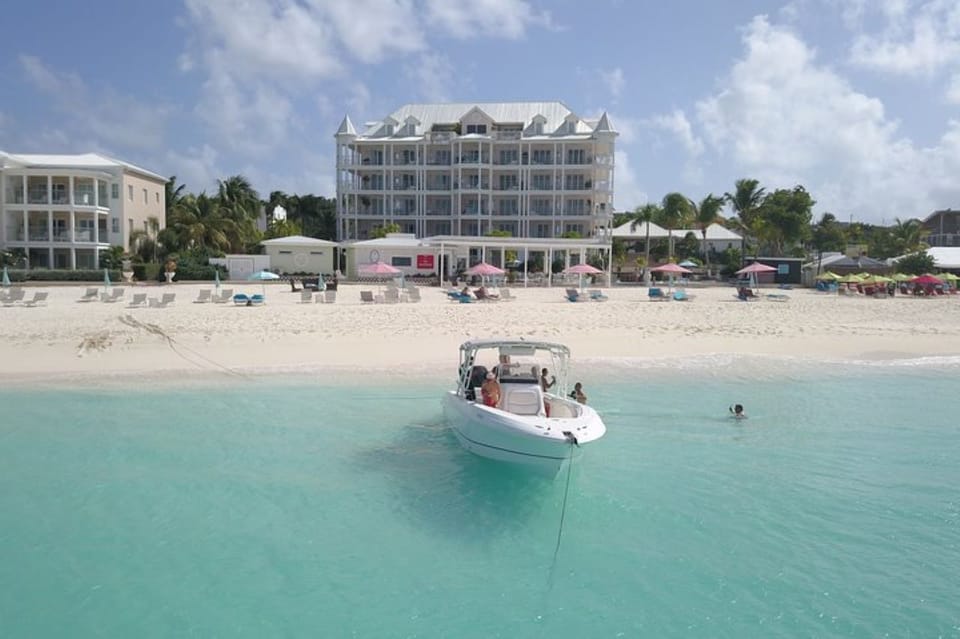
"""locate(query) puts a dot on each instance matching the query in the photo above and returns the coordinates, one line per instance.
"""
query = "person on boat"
(578, 394)
(491, 391)
(544, 384)
(737, 411)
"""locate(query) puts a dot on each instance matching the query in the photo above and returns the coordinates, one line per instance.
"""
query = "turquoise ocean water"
(290, 507)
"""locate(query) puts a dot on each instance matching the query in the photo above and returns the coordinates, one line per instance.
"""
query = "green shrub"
(62, 275)
(147, 272)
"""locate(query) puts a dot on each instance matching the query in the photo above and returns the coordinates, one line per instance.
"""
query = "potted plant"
(169, 270)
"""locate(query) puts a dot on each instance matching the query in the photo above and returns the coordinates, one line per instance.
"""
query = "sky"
(858, 101)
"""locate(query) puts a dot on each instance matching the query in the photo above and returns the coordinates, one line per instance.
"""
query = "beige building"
(299, 254)
(531, 169)
(63, 210)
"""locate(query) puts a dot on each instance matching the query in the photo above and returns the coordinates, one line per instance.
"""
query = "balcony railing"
(82, 197)
(15, 197)
(37, 197)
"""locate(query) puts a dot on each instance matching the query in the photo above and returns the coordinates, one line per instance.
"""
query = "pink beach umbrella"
(484, 270)
(671, 269)
(380, 270)
(753, 270)
(581, 270)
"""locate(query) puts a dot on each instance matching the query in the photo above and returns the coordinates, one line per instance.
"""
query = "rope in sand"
(176, 346)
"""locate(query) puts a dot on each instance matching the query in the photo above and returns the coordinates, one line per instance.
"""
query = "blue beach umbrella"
(6, 278)
(263, 276)
(216, 280)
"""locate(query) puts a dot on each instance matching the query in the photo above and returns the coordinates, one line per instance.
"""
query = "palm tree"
(240, 203)
(645, 215)
(675, 208)
(173, 193)
(910, 235)
(745, 202)
(705, 214)
(199, 223)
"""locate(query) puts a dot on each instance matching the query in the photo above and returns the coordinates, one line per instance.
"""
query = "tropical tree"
(745, 202)
(705, 214)
(173, 193)
(827, 235)
(674, 209)
(240, 203)
(910, 236)
(786, 217)
(200, 223)
(382, 231)
(916, 263)
(645, 215)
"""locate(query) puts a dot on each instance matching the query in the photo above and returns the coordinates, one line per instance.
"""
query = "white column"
(26, 226)
(96, 229)
(73, 220)
(50, 226)
(70, 186)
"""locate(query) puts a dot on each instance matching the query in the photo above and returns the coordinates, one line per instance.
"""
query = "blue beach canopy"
(263, 276)
(6, 278)
(106, 278)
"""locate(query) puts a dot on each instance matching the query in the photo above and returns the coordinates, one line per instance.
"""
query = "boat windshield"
(513, 366)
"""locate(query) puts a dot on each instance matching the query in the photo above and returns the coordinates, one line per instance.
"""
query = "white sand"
(94, 340)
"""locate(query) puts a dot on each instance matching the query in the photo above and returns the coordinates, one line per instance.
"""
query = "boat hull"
(533, 441)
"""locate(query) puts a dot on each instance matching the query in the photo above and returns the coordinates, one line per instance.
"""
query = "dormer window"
(538, 128)
(388, 129)
(479, 129)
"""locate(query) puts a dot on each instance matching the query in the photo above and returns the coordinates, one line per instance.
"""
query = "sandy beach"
(67, 338)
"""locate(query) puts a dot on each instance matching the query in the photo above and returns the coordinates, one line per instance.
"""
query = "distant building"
(63, 210)
(532, 169)
(943, 228)
(719, 238)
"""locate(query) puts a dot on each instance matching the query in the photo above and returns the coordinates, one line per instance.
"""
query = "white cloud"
(108, 118)
(496, 18)
(784, 119)
(953, 90)
(923, 40)
(677, 124)
(614, 81)
(372, 29)
(627, 191)
(197, 168)
(432, 74)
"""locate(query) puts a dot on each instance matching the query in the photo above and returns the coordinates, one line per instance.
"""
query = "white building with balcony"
(532, 169)
(63, 210)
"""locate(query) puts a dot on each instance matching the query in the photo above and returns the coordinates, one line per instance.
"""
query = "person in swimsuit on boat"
(491, 391)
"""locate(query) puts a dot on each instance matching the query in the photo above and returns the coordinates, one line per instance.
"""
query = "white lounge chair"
(139, 299)
(306, 296)
(91, 295)
(166, 299)
(112, 296)
(391, 295)
(15, 295)
(329, 297)
(224, 297)
(40, 297)
(367, 297)
(203, 296)
(506, 295)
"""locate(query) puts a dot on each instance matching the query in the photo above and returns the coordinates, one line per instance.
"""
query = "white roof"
(714, 232)
(943, 256)
(74, 161)
(297, 240)
(392, 241)
(554, 115)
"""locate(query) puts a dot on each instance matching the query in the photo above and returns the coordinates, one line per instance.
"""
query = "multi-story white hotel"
(533, 169)
(62, 210)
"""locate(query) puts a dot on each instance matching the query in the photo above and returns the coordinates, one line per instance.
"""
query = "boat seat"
(523, 401)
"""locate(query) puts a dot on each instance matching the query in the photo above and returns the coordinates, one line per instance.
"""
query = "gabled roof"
(943, 256)
(603, 125)
(73, 161)
(626, 230)
(297, 240)
(429, 115)
(715, 232)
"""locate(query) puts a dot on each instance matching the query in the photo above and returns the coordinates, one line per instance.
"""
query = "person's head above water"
(737, 410)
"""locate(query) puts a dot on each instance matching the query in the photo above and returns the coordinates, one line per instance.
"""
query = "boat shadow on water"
(438, 484)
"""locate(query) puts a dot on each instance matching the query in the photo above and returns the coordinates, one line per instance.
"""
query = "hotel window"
(542, 156)
(157, 194)
(130, 192)
(115, 191)
(115, 225)
(145, 200)
(130, 223)
(480, 129)
(401, 261)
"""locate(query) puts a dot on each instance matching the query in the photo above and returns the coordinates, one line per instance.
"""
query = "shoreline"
(94, 343)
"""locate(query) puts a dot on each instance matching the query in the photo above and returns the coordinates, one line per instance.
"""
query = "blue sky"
(857, 100)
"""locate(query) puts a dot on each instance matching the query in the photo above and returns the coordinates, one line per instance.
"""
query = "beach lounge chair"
(40, 297)
(91, 295)
(506, 295)
(367, 297)
(15, 295)
(306, 296)
(573, 295)
(112, 296)
(681, 296)
(391, 295)
(597, 295)
(329, 296)
(655, 294)
(413, 295)
(240, 299)
(257, 300)
(204, 296)
(224, 297)
(165, 300)
(139, 299)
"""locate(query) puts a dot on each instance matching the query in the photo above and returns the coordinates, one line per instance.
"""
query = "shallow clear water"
(294, 508)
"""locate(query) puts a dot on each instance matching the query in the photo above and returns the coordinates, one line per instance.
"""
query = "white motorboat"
(528, 426)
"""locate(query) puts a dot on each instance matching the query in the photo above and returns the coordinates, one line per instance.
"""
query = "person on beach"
(491, 391)
(737, 411)
(578, 394)
(544, 384)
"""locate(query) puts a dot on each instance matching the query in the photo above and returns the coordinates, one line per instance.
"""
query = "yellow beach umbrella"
(950, 277)
(828, 276)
